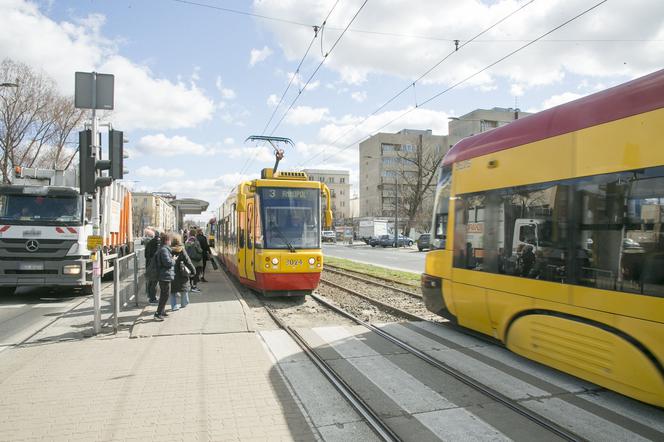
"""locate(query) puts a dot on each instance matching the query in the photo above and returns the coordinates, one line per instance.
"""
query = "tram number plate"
(294, 262)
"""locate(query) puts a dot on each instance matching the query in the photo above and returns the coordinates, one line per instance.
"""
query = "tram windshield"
(290, 218)
(441, 208)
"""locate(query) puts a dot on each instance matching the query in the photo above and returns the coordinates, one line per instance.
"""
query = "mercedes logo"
(31, 245)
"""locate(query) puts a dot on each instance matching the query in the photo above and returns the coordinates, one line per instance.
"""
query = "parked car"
(424, 241)
(329, 236)
(388, 241)
(377, 240)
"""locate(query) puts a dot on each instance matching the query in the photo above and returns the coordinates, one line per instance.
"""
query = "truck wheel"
(410, 243)
(7, 291)
(420, 249)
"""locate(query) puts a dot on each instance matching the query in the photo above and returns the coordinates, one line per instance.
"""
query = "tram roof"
(637, 96)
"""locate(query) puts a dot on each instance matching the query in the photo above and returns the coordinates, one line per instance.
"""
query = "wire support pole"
(97, 254)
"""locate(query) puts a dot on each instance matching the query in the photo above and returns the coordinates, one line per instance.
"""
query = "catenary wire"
(435, 96)
(405, 35)
(427, 72)
(317, 30)
(313, 74)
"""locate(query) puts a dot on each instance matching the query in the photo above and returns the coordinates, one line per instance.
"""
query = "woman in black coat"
(183, 270)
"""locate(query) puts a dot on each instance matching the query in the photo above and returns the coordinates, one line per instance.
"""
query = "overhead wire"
(424, 74)
(469, 77)
(317, 30)
(397, 34)
(313, 74)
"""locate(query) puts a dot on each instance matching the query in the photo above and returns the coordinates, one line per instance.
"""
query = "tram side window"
(250, 222)
(520, 231)
(620, 229)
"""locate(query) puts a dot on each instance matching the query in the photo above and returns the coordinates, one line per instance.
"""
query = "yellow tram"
(269, 233)
(549, 236)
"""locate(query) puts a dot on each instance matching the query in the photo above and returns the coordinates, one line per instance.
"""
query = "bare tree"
(417, 178)
(24, 125)
(36, 123)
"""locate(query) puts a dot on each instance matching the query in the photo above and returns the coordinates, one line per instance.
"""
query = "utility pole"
(96, 262)
(396, 208)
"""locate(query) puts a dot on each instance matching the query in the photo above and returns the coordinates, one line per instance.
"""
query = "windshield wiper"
(288, 244)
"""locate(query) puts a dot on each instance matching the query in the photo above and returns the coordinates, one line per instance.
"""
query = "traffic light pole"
(97, 262)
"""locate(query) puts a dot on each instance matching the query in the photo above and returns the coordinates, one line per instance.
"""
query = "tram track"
(372, 418)
(380, 281)
(496, 396)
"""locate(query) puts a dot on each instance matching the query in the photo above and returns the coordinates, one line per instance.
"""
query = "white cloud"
(213, 190)
(229, 140)
(299, 82)
(563, 98)
(300, 115)
(161, 145)
(359, 96)
(159, 172)
(594, 48)
(226, 93)
(516, 90)
(272, 100)
(142, 99)
(262, 154)
(258, 55)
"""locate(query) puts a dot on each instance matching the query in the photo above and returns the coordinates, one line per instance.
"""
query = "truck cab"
(43, 235)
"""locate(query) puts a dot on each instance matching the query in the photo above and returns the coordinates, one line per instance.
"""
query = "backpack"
(194, 253)
(152, 270)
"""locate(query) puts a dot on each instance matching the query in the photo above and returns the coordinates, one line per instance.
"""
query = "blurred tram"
(549, 237)
(269, 233)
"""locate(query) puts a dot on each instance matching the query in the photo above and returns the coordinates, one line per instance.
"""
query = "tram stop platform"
(204, 373)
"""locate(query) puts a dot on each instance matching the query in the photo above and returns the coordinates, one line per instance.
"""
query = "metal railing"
(128, 282)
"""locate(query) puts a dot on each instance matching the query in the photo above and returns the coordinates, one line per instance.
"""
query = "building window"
(330, 179)
(407, 148)
(389, 147)
(342, 180)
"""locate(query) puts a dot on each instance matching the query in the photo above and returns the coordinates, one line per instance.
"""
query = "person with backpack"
(165, 265)
(151, 249)
(183, 270)
(195, 252)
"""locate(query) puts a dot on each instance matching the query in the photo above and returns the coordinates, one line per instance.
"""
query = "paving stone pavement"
(202, 374)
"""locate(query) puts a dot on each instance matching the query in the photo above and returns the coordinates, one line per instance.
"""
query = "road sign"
(93, 91)
(94, 242)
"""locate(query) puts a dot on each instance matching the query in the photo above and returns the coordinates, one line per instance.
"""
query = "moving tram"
(549, 238)
(269, 232)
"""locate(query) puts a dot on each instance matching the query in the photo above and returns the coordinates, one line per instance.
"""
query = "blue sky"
(193, 82)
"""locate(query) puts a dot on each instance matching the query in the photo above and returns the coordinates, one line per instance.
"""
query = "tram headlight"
(312, 261)
(275, 261)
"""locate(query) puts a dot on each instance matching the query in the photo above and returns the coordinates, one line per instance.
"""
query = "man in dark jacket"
(166, 266)
(150, 249)
(202, 239)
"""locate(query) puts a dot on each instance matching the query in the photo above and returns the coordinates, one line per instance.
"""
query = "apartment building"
(339, 183)
(153, 210)
(383, 158)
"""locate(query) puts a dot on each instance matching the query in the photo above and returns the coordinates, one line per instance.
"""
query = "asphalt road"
(408, 259)
(30, 309)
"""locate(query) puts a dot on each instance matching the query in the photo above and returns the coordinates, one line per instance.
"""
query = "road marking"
(8, 306)
(424, 404)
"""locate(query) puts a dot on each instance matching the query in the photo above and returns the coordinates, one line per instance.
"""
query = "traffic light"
(116, 148)
(88, 165)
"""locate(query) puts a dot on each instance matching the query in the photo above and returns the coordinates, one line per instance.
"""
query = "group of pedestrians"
(176, 265)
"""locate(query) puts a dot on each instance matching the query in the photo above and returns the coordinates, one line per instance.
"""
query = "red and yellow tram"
(550, 239)
(269, 233)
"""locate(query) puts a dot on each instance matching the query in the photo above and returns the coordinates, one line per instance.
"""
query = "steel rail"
(484, 389)
(382, 278)
(369, 281)
(392, 309)
(371, 417)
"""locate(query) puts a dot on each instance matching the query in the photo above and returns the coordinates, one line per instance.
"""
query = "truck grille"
(14, 248)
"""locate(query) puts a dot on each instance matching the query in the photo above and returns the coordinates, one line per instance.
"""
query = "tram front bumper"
(432, 293)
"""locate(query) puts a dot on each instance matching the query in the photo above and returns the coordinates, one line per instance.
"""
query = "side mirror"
(328, 218)
(242, 203)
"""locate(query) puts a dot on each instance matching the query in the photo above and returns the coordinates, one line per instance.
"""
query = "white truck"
(372, 228)
(44, 226)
